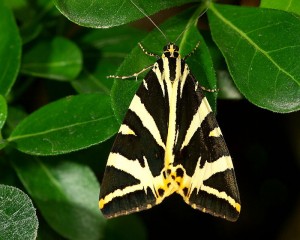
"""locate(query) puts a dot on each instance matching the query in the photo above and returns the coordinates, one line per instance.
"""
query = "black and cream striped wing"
(133, 174)
(208, 181)
(169, 142)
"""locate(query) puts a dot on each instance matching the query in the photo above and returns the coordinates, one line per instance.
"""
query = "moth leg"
(131, 76)
(148, 53)
(209, 90)
(192, 52)
(204, 88)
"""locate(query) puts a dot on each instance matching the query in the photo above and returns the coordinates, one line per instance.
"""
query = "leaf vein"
(251, 42)
(14, 138)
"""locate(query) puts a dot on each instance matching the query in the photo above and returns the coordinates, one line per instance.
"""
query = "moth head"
(171, 50)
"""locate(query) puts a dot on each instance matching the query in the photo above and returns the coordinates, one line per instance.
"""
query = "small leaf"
(58, 59)
(200, 62)
(105, 14)
(263, 56)
(10, 50)
(66, 125)
(288, 5)
(65, 192)
(18, 218)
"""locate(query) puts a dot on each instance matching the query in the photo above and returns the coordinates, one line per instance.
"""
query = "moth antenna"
(187, 26)
(142, 11)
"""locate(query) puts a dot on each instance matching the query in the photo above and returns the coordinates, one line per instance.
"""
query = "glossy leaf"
(66, 125)
(58, 59)
(65, 192)
(3, 116)
(3, 111)
(105, 14)
(200, 62)
(262, 57)
(10, 50)
(287, 5)
(104, 51)
(18, 218)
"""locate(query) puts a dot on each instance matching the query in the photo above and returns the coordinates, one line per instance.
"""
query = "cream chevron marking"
(139, 108)
(198, 118)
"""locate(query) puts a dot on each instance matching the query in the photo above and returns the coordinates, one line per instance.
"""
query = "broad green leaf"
(18, 218)
(58, 59)
(104, 50)
(66, 125)
(65, 192)
(3, 112)
(10, 50)
(286, 5)
(262, 49)
(200, 62)
(105, 14)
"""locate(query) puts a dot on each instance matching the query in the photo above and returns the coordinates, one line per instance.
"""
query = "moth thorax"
(171, 50)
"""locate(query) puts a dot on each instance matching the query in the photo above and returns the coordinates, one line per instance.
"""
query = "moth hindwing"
(169, 142)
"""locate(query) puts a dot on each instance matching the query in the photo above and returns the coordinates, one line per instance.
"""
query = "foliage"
(45, 58)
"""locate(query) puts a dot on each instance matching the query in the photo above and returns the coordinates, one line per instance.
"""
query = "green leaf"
(10, 50)
(18, 218)
(66, 125)
(287, 5)
(262, 57)
(59, 59)
(65, 192)
(3, 116)
(104, 51)
(3, 111)
(105, 14)
(200, 62)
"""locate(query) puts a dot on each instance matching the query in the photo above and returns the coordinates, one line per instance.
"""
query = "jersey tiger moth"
(169, 142)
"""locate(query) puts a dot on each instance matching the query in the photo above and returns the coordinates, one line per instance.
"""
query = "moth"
(169, 142)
